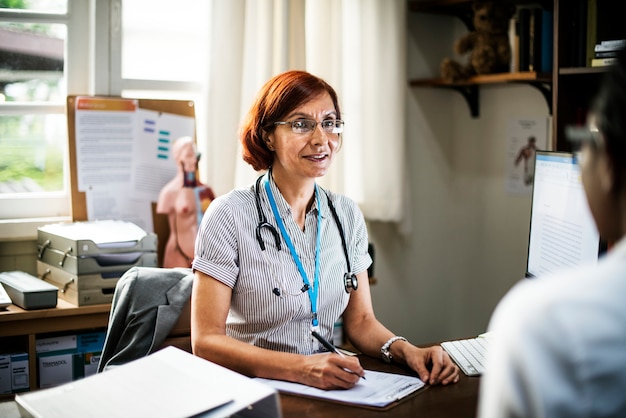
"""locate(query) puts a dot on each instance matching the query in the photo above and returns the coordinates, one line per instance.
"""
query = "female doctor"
(283, 258)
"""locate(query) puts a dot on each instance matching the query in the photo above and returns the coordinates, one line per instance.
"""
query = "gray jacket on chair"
(146, 304)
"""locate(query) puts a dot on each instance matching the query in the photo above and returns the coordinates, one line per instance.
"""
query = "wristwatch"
(384, 350)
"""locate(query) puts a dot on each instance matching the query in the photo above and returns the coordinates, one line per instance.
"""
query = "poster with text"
(123, 156)
(524, 137)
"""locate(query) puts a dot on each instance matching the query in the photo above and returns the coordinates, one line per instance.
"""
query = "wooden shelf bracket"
(546, 90)
(470, 92)
(471, 95)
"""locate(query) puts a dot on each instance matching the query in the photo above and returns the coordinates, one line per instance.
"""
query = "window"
(162, 51)
(33, 86)
(50, 48)
(160, 42)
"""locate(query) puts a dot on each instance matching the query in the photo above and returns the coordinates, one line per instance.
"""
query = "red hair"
(280, 96)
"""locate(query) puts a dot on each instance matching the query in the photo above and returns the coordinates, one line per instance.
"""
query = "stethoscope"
(349, 279)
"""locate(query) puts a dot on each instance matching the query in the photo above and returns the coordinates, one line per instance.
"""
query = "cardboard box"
(55, 370)
(63, 343)
(20, 377)
(90, 346)
(14, 375)
(5, 374)
(91, 342)
(90, 363)
(67, 358)
(58, 360)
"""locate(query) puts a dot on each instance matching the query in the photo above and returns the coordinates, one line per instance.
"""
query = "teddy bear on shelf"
(488, 44)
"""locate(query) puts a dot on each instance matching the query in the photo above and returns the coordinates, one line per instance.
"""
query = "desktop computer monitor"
(562, 230)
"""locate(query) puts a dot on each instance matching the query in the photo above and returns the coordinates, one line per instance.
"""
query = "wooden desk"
(459, 400)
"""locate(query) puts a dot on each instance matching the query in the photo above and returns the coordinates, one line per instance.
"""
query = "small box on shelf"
(14, 377)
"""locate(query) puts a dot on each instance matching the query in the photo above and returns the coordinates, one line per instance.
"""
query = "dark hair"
(276, 99)
(609, 109)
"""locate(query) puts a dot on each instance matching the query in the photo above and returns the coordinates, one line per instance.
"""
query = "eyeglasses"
(579, 136)
(306, 126)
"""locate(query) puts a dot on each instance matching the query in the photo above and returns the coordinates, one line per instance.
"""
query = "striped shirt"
(227, 249)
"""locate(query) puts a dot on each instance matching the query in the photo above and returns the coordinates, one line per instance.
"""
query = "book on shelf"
(523, 17)
(514, 43)
(605, 54)
(579, 58)
(610, 45)
(599, 31)
(610, 28)
(591, 31)
(534, 39)
(602, 62)
(547, 41)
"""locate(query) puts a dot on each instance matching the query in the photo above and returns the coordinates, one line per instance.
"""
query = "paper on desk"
(380, 389)
(104, 233)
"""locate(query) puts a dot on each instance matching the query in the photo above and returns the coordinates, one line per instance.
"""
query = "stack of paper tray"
(84, 260)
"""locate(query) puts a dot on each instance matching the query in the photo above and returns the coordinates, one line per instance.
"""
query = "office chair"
(150, 310)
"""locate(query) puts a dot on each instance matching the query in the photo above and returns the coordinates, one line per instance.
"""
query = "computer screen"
(562, 230)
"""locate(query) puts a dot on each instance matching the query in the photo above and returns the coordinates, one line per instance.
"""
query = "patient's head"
(603, 163)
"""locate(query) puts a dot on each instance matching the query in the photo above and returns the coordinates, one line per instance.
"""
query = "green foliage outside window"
(31, 159)
(12, 4)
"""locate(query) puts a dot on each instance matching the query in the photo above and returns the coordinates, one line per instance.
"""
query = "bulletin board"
(80, 107)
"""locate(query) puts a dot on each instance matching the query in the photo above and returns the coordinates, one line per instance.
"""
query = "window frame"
(21, 215)
(93, 66)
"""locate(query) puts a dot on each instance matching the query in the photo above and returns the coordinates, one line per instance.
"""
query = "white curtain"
(358, 46)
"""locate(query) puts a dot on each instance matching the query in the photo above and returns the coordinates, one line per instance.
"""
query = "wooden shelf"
(469, 88)
(527, 76)
(582, 70)
(569, 88)
(16, 322)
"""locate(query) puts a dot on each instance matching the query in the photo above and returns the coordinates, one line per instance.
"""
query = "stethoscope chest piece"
(350, 282)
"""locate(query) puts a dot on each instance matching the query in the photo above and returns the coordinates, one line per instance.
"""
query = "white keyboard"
(468, 354)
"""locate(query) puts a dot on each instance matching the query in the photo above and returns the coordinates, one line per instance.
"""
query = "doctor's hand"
(432, 364)
(331, 371)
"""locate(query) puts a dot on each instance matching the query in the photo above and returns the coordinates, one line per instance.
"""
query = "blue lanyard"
(311, 290)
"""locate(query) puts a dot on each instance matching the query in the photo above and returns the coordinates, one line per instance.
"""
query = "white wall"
(468, 237)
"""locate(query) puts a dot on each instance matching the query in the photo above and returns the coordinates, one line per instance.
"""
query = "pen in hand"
(331, 348)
